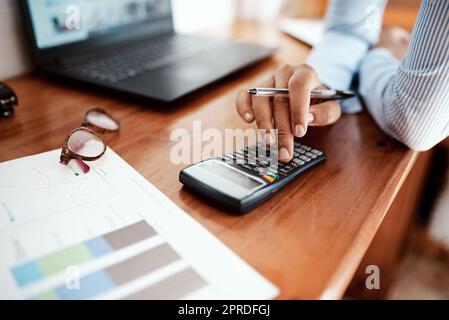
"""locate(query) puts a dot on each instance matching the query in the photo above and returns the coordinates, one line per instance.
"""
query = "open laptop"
(129, 46)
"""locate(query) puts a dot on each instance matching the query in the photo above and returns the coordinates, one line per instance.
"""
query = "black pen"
(326, 94)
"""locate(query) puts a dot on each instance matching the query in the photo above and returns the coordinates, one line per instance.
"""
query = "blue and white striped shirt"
(408, 99)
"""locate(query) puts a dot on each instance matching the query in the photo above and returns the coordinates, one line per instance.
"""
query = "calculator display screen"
(234, 176)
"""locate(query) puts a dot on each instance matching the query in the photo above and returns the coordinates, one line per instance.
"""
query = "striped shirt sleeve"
(352, 27)
(409, 99)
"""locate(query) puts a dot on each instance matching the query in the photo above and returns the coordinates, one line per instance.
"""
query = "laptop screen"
(60, 22)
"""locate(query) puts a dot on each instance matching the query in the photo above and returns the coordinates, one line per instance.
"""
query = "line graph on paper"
(31, 192)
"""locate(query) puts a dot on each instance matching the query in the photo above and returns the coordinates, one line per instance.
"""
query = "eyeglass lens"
(85, 144)
(102, 120)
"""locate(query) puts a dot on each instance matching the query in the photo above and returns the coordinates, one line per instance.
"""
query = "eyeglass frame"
(67, 155)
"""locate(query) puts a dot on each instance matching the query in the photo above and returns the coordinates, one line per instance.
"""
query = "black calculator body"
(240, 182)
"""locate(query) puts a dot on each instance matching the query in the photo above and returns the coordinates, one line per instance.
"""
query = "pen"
(326, 94)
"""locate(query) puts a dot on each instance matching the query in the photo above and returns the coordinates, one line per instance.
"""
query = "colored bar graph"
(27, 273)
(89, 286)
(48, 295)
(99, 246)
(72, 256)
(127, 236)
(102, 281)
(142, 264)
(33, 271)
(175, 287)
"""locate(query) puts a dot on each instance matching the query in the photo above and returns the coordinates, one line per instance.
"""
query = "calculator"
(243, 180)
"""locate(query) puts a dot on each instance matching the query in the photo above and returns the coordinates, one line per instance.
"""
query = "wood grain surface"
(310, 238)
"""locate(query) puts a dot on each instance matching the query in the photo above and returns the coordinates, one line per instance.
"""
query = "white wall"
(195, 15)
(12, 52)
(259, 10)
(190, 16)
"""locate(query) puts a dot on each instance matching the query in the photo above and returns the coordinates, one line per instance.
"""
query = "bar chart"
(103, 280)
(49, 265)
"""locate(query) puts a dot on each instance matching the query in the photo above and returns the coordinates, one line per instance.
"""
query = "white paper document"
(308, 31)
(108, 234)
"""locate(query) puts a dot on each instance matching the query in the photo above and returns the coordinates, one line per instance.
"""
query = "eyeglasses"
(85, 142)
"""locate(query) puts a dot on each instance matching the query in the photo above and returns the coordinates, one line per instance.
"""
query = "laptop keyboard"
(129, 62)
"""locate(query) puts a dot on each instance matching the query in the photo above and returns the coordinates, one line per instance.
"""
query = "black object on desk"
(139, 55)
(8, 100)
(243, 180)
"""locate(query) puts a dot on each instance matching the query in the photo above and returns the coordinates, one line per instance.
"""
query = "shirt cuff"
(337, 58)
(382, 56)
(352, 105)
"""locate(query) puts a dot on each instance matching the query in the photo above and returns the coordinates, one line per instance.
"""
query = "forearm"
(352, 27)
(410, 99)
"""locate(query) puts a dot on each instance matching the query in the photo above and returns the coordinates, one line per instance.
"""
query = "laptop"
(129, 46)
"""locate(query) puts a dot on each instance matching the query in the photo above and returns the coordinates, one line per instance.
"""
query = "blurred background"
(196, 16)
(423, 270)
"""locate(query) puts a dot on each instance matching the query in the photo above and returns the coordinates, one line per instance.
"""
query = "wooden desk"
(310, 238)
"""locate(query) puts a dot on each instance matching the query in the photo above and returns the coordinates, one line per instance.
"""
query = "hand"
(396, 40)
(293, 116)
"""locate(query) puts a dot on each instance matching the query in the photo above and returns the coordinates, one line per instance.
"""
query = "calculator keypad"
(249, 160)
